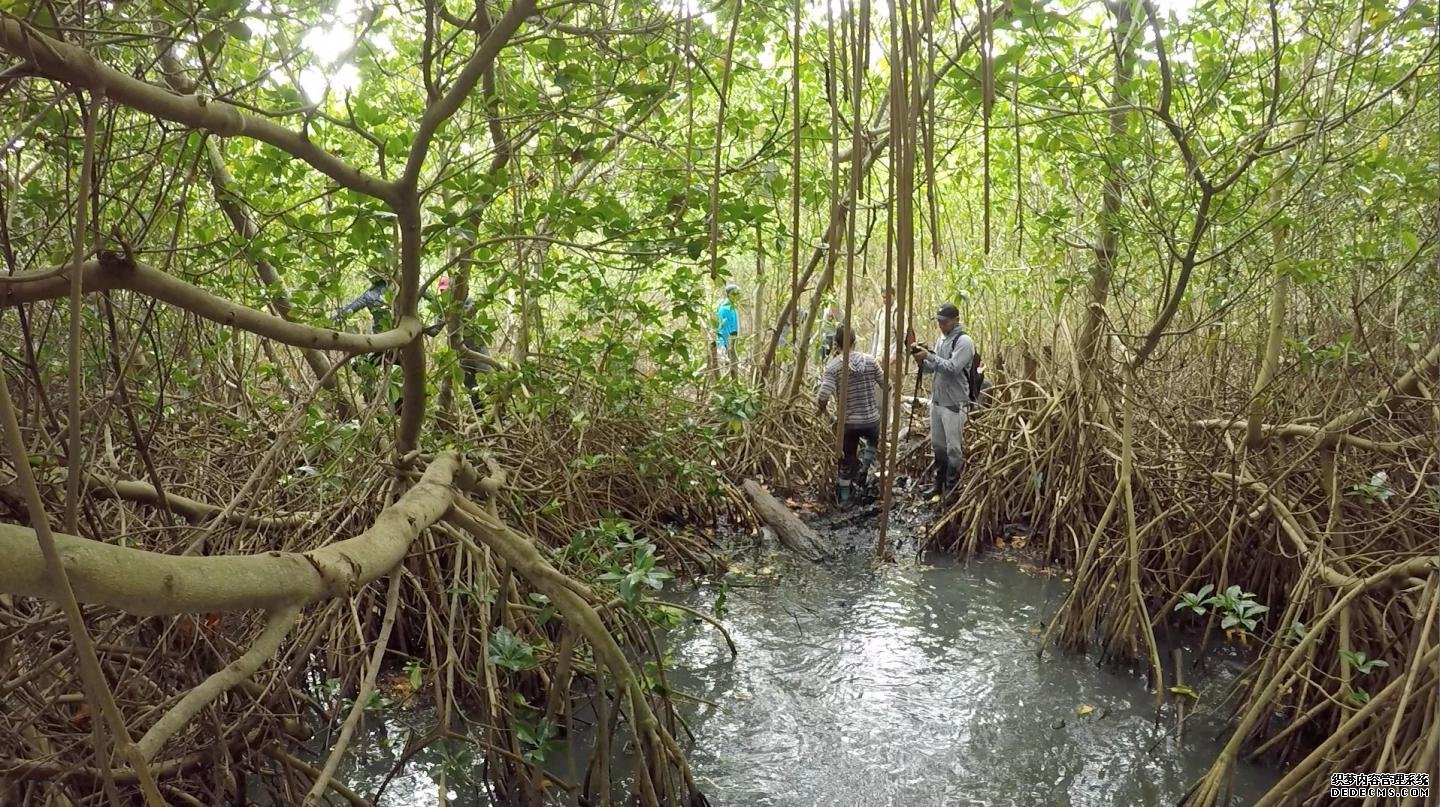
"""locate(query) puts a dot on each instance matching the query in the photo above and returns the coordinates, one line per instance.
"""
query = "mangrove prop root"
(1213, 510)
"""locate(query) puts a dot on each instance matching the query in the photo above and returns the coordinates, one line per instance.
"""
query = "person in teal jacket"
(727, 325)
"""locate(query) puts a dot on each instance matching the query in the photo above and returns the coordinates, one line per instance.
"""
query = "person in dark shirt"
(376, 300)
(472, 339)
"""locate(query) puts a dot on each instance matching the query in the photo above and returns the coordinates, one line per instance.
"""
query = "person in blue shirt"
(727, 325)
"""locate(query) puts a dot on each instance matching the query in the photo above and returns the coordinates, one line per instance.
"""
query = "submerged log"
(793, 533)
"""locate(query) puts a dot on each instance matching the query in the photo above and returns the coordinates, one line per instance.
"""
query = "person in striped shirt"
(862, 399)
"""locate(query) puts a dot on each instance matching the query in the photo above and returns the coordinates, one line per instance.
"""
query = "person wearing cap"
(863, 397)
(727, 328)
(472, 338)
(949, 363)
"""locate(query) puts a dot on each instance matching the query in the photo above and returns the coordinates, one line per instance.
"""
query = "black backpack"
(974, 376)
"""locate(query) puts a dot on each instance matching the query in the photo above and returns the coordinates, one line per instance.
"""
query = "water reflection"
(902, 685)
(919, 685)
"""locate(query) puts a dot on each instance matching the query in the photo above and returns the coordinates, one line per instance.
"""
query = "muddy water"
(907, 684)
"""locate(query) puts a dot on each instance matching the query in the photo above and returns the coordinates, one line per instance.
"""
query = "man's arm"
(958, 362)
(877, 377)
(921, 353)
(367, 299)
(828, 382)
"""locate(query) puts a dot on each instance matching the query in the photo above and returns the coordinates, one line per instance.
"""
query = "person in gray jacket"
(949, 363)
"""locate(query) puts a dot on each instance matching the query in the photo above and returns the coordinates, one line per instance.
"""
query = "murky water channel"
(908, 684)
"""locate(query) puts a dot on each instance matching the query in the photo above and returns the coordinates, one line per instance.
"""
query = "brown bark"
(151, 583)
(77, 67)
(115, 272)
(793, 532)
(192, 510)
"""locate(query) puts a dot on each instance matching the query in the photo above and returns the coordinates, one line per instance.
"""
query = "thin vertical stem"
(987, 101)
(930, 81)
(97, 691)
(906, 103)
(833, 80)
(1019, 175)
(719, 143)
(795, 13)
(75, 459)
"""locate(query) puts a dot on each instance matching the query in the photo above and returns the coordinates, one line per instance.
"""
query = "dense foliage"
(1197, 242)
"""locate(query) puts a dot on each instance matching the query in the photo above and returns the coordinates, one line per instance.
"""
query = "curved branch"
(1167, 85)
(266, 645)
(115, 272)
(152, 583)
(192, 509)
(493, 362)
(29, 769)
(449, 103)
(223, 183)
(526, 559)
(1411, 567)
(362, 697)
(79, 68)
(1283, 430)
(1407, 384)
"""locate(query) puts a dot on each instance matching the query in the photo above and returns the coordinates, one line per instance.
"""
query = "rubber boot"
(862, 475)
(942, 472)
(952, 485)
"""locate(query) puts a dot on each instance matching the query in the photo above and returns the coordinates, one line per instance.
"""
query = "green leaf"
(213, 40)
(510, 652)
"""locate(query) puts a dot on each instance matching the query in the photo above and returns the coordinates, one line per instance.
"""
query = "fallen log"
(795, 534)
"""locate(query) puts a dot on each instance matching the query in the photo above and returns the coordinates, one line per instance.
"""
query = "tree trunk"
(1108, 243)
(794, 533)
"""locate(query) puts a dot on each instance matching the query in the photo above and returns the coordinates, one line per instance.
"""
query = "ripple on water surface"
(919, 685)
(904, 685)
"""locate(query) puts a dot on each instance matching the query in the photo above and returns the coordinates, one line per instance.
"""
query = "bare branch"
(223, 680)
(114, 272)
(79, 68)
(151, 583)
(479, 63)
